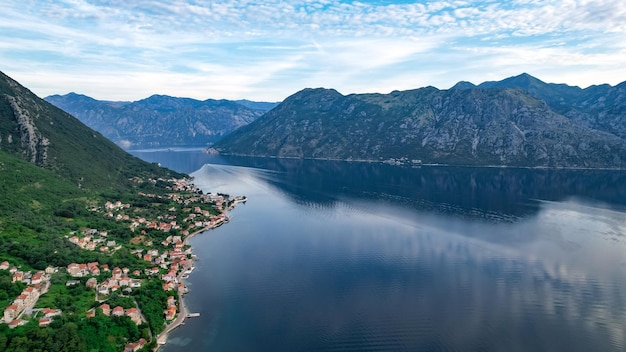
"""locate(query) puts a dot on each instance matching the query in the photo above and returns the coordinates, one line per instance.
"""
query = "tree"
(67, 339)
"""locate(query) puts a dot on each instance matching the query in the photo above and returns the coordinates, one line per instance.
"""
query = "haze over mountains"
(161, 121)
(519, 121)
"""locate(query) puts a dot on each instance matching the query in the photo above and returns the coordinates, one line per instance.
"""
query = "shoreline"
(378, 161)
(161, 339)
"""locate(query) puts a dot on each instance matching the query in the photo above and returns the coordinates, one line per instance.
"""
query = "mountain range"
(519, 121)
(160, 120)
(50, 138)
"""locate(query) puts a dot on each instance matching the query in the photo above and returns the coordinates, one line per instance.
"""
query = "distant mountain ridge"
(161, 120)
(520, 121)
(44, 135)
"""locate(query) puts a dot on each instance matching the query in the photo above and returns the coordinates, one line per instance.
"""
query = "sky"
(268, 50)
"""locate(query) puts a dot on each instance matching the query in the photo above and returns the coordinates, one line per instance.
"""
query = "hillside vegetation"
(56, 178)
(40, 214)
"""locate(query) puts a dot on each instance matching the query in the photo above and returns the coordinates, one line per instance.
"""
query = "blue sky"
(268, 50)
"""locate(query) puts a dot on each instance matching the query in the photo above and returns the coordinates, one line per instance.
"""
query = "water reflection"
(380, 282)
(483, 191)
(491, 194)
(331, 256)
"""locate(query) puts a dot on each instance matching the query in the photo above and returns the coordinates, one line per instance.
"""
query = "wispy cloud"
(119, 49)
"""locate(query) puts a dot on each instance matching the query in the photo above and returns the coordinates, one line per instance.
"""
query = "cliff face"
(33, 145)
(471, 126)
(161, 121)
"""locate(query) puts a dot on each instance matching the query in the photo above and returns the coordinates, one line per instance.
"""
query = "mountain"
(476, 126)
(464, 85)
(44, 135)
(600, 107)
(256, 105)
(160, 120)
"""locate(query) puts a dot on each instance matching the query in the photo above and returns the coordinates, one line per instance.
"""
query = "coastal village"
(158, 240)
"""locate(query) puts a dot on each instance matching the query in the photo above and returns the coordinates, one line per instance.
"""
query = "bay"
(338, 256)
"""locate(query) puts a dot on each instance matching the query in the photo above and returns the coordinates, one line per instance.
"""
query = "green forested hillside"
(37, 206)
(38, 211)
(55, 177)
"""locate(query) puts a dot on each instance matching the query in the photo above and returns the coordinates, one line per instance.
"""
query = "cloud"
(257, 47)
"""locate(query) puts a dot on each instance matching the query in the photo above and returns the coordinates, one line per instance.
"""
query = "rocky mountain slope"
(467, 125)
(46, 136)
(601, 107)
(161, 121)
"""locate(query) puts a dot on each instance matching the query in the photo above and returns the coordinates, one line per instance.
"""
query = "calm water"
(331, 256)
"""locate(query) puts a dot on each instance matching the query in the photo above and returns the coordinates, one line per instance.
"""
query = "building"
(118, 311)
(170, 313)
(77, 270)
(49, 312)
(106, 309)
(135, 346)
(17, 322)
(18, 276)
(92, 282)
(11, 312)
(36, 278)
(103, 290)
(91, 313)
(21, 300)
(44, 322)
(133, 314)
(125, 281)
(51, 270)
(117, 273)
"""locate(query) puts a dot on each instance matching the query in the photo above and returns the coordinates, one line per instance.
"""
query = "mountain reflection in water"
(334, 256)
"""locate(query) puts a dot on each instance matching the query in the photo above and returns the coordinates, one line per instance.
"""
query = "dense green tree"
(152, 301)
